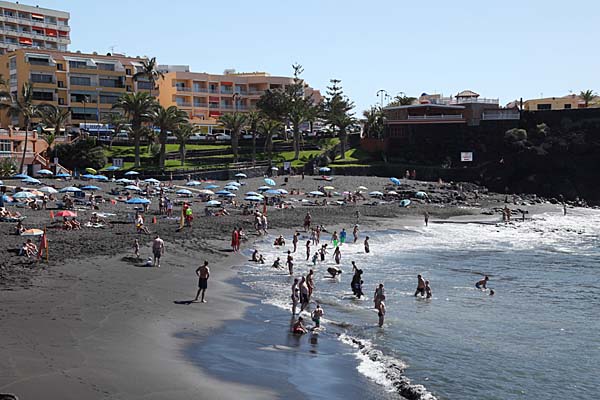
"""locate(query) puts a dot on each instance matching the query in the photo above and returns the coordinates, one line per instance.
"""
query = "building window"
(567, 106)
(145, 85)
(106, 67)
(46, 96)
(127, 71)
(5, 146)
(544, 106)
(106, 82)
(61, 84)
(82, 81)
(12, 63)
(61, 101)
(128, 88)
(59, 67)
(41, 78)
(77, 64)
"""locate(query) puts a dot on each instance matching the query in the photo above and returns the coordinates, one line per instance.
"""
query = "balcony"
(226, 91)
(435, 117)
(182, 89)
(475, 100)
(201, 105)
(501, 115)
(254, 92)
(200, 90)
(183, 104)
(427, 119)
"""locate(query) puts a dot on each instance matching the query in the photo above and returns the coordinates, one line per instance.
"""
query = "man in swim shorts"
(158, 249)
(482, 284)
(203, 273)
(316, 316)
(420, 286)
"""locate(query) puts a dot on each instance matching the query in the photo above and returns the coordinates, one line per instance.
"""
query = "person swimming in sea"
(277, 263)
(367, 248)
(334, 271)
(482, 284)
(420, 286)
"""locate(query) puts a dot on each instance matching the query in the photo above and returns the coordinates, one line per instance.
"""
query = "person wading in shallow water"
(203, 273)
(420, 286)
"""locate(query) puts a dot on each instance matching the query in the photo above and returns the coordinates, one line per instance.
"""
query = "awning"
(23, 40)
(226, 83)
(51, 32)
(213, 99)
(37, 16)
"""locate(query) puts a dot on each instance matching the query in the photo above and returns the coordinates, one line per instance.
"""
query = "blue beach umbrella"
(88, 176)
(193, 183)
(32, 181)
(324, 169)
(23, 195)
(222, 193)
(152, 180)
(63, 175)
(112, 168)
(253, 198)
(396, 181)
(232, 183)
(231, 188)
(211, 187)
(90, 188)
(213, 203)
(130, 173)
(263, 188)
(138, 200)
(273, 191)
(44, 172)
(270, 182)
(375, 194)
(421, 195)
(317, 193)
(102, 178)
(21, 176)
(71, 189)
(184, 192)
(253, 194)
(230, 195)
(133, 187)
(241, 175)
(124, 180)
(283, 191)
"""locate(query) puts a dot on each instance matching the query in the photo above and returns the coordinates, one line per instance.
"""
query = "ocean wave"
(385, 370)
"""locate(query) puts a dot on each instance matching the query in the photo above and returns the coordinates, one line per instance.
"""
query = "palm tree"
(149, 71)
(183, 133)
(53, 117)
(342, 123)
(254, 119)
(234, 122)
(587, 96)
(166, 119)
(23, 107)
(268, 127)
(138, 109)
(117, 123)
(373, 122)
(402, 101)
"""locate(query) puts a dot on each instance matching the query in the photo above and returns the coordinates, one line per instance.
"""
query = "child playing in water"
(316, 316)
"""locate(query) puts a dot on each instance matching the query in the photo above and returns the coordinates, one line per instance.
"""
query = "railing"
(256, 92)
(183, 104)
(501, 116)
(200, 90)
(202, 105)
(457, 117)
(475, 100)
(182, 89)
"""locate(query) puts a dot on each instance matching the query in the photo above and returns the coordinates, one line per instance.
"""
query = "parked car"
(199, 137)
(222, 137)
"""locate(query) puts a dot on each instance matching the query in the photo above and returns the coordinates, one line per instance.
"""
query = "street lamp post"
(382, 93)
(236, 95)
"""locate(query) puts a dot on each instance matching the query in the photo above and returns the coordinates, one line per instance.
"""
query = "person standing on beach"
(136, 249)
(564, 208)
(343, 235)
(367, 248)
(158, 249)
(420, 286)
(295, 296)
(426, 217)
(307, 221)
(295, 241)
(355, 233)
(316, 316)
(307, 250)
(310, 282)
(290, 262)
(337, 255)
(264, 224)
(381, 313)
(304, 298)
(335, 239)
(203, 273)
(234, 239)
(379, 295)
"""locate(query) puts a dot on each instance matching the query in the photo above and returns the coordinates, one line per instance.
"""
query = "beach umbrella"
(88, 176)
(207, 192)
(21, 176)
(362, 188)
(138, 200)
(317, 193)
(283, 191)
(193, 183)
(62, 175)
(91, 171)
(421, 195)
(133, 187)
(44, 172)
(324, 169)
(232, 183)
(374, 194)
(274, 169)
(65, 213)
(90, 187)
(184, 192)
(263, 188)
(222, 192)
(32, 181)
(253, 194)
(33, 232)
(395, 181)
(253, 198)
(113, 168)
(211, 187)
(392, 192)
(329, 188)
(230, 195)
(72, 189)
(7, 199)
(273, 191)
(23, 195)
(241, 175)
(152, 180)
(130, 173)
(48, 190)
(102, 178)
(124, 180)
(270, 182)
(213, 203)
(231, 188)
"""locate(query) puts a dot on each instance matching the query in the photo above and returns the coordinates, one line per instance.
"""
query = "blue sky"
(504, 49)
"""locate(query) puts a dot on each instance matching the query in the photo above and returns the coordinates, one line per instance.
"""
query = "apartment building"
(88, 84)
(205, 96)
(23, 26)
(559, 103)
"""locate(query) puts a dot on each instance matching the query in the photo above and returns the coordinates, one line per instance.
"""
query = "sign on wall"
(466, 156)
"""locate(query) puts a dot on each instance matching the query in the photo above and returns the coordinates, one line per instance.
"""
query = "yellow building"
(559, 103)
(87, 84)
(205, 96)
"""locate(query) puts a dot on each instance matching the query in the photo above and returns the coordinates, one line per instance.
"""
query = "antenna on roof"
(112, 48)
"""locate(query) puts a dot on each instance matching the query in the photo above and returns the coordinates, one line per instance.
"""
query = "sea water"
(538, 337)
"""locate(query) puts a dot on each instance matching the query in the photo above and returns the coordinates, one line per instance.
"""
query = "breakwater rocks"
(393, 370)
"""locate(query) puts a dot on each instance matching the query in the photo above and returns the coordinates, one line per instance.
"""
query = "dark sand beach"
(93, 323)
